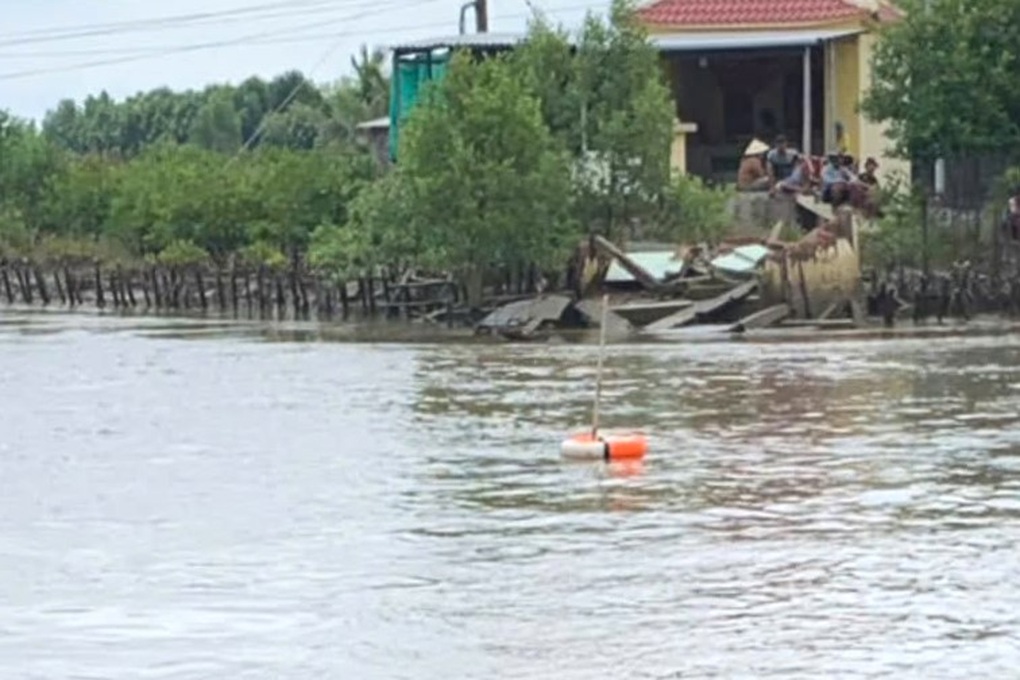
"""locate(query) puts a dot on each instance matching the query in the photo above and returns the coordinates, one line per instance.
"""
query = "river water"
(186, 500)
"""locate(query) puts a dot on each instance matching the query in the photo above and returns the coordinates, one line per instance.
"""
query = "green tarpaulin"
(410, 74)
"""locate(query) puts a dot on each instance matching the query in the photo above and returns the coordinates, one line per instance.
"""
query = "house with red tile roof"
(746, 69)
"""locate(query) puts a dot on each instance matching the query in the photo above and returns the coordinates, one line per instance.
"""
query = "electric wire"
(264, 38)
(377, 8)
(268, 11)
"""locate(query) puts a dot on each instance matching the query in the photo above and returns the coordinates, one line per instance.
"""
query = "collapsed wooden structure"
(746, 283)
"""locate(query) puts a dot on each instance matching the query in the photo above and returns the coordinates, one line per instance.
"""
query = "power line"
(284, 103)
(378, 9)
(139, 54)
(266, 11)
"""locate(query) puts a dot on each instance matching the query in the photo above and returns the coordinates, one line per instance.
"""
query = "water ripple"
(179, 501)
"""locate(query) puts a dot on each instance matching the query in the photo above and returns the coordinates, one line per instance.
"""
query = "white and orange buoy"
(605, 447)
(593, 445)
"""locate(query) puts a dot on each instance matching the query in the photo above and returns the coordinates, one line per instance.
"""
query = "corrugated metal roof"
(733, 40)
(742, 260)
(475, 40)
(658, 263)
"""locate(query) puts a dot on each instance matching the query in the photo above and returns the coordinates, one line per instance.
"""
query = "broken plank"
(644, 313)
(637, 271)
(832, 309)
(526, 332)
(762, 318)
(703, 308)
(810, 203)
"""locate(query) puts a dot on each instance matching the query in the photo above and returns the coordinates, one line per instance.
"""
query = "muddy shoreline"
(39, 320)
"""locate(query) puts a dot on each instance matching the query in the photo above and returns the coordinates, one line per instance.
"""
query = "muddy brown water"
(195, 500)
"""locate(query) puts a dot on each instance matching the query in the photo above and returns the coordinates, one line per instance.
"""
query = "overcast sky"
(51, 49)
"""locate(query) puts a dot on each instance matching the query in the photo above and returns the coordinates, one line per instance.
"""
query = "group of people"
(783, 170)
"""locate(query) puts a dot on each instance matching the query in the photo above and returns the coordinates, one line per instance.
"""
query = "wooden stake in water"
(598, 372)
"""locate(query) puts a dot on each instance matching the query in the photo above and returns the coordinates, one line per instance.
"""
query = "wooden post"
(371, 294)
(302, 297)
(293, 275)
(175, 288)
(40, 283)
(233, 287)
(25, 283)
(7, 284)
(281, 299)
(59, 287)
(247, 291)
(386, 296)
(156, 293)
(325, 301)
(145, 290)
(200, 284)
(166, 277)
(184, 286)
(363, 293)
(261, 283)
(128, 283)
(111, 279)
(221, 300)
(72, 287)
(100, 298)
(803, 290)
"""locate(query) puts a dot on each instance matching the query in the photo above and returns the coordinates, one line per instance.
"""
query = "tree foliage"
(505, 162)
(606, 99)
(485, 176)
(163, 174)
(945, 78)
(287, 111)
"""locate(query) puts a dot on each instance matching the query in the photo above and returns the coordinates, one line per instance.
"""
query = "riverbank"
(42, 321)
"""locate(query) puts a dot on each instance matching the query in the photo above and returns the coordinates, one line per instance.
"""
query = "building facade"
(745, 69)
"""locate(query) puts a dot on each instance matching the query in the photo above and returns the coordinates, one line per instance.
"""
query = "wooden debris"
(704, 308)
(591, 310)
(642, 313)
(763, 318)
(832, 309)
(522, 319)
(637, 271)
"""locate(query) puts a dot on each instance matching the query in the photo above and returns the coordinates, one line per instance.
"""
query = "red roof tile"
(747, 12)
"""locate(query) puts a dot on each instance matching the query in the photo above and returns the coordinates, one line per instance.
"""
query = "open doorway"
(735, 96)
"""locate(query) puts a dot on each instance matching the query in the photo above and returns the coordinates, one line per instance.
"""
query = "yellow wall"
(678, 151)
(873, 141)
(846, 67)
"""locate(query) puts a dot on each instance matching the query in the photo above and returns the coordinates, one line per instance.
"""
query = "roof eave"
(857, 21)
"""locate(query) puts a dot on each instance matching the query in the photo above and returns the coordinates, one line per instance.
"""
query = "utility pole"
(482, 16)
(930, 169)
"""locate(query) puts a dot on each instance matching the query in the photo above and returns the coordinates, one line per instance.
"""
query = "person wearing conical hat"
(752, 176)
